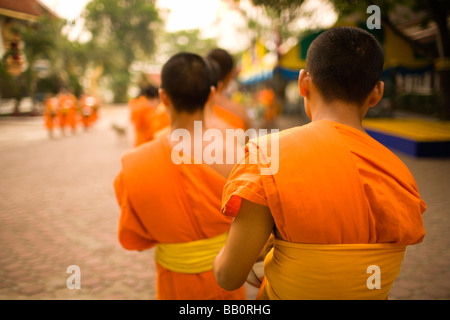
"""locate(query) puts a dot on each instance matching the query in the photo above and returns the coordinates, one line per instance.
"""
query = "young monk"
(172, 204)
(341, 206)
(231, 112)
(142, 111)
(50, 113)
(212, 118)
(67, 110)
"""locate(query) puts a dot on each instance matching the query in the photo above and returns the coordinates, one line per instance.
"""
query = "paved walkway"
(57, 209)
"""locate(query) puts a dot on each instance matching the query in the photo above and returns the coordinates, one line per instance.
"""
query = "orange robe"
(334, 185)
(164, 203)
(229, 117)
(267, 98)
(68, 111)
(139, 108)
(51, 109)
(159, 121)
(147, 119)
(87, 108)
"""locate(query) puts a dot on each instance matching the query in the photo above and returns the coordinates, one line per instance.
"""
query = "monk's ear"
(303, 83)
(376, 94)
(212, 92)
(164, 97)
(228, 79)
(219, 86)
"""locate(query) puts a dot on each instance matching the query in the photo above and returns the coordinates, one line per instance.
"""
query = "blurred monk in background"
(67, 110)
(170, 199)
(142, 111)
(341, 207)
(50, 113)
(212, 118)
(88, 110)
(230, 111)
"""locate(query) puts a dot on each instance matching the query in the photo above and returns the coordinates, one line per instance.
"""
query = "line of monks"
(65, 112)
(332, 222)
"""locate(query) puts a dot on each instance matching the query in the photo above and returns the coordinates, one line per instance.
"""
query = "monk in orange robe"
(68, 110)
(147, 115)
(339, 206)
(230, 111)
(266, 97)
(159, 121)
(170, 201)
(50, 113)
(139, 108)
(88, 106)
(216, 116)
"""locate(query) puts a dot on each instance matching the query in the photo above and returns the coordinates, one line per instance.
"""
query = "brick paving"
(57, 209)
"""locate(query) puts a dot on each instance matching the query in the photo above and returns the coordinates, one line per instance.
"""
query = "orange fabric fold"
(51, 110)
(335, 184)
(229, 117)
(142, 112)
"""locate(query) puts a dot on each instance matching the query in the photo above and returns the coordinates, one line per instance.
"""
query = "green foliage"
(40, 41)
(49, 84)
(282, 13)
(278, 5)
(133, 23)
(187, 40)
(8, 86)
(126, 32)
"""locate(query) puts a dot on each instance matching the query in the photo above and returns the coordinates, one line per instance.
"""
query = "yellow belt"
(331, 272)
(190, 257)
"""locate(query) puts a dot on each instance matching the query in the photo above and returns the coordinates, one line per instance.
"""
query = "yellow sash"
(190, 257)
(331, 272)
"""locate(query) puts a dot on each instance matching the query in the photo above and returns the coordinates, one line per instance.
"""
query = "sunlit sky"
(184, 14)
(213, 17)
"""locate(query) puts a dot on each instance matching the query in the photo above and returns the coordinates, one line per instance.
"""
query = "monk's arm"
(247, 236)
(132, 233)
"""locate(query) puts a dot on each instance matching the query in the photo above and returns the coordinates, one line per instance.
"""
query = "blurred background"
(49, 44)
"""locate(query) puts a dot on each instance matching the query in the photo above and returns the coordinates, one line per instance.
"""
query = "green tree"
(283, 13)
(127, 31)
(185, 40)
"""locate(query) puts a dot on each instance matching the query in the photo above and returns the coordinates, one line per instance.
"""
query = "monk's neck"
(188, 121)
(340, 112)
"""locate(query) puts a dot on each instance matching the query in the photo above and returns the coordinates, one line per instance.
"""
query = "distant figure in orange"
(50, 112)
(266, 98)
(230, 111)
(142, 111)
(213, 117)
(159, 121)
(67, 110)
(88, 110)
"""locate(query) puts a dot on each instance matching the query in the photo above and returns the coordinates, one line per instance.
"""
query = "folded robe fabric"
(334, 185)
(190, 257)
(164, 203)
(332, 271)
(229, 117)
(147, 119)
